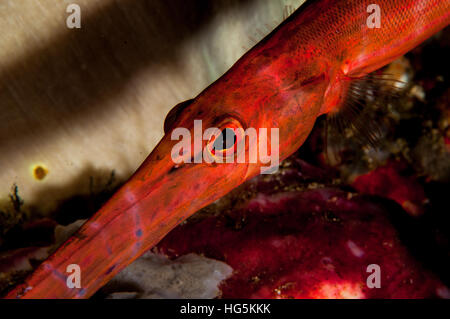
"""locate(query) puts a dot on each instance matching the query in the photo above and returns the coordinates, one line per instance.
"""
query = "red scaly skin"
(298, 72)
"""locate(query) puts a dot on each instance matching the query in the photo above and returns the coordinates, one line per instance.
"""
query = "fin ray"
(354, 114)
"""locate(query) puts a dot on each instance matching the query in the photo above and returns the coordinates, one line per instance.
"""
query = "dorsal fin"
(173, 115)
(353, 115)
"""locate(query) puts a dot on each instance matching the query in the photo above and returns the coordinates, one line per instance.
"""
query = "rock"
(155, 276)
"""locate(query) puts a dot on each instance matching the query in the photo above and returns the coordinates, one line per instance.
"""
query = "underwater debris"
(16, 201)
(432, 155)
(10, 218)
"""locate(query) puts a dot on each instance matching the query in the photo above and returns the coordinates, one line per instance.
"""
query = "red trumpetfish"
(303, 69)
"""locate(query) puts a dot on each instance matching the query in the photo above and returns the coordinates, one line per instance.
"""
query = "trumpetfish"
(303, 69)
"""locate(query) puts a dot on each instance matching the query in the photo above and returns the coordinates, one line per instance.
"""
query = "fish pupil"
(226, 140)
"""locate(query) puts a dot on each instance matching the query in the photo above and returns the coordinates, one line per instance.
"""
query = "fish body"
(300, 71)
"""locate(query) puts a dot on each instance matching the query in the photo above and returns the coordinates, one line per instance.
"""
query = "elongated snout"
(159, 196)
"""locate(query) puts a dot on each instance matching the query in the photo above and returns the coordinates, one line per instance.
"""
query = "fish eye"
(226, 143)
(225, 140)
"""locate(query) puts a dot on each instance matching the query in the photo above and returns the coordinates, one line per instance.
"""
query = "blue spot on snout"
(110, 269)
(82, 292)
